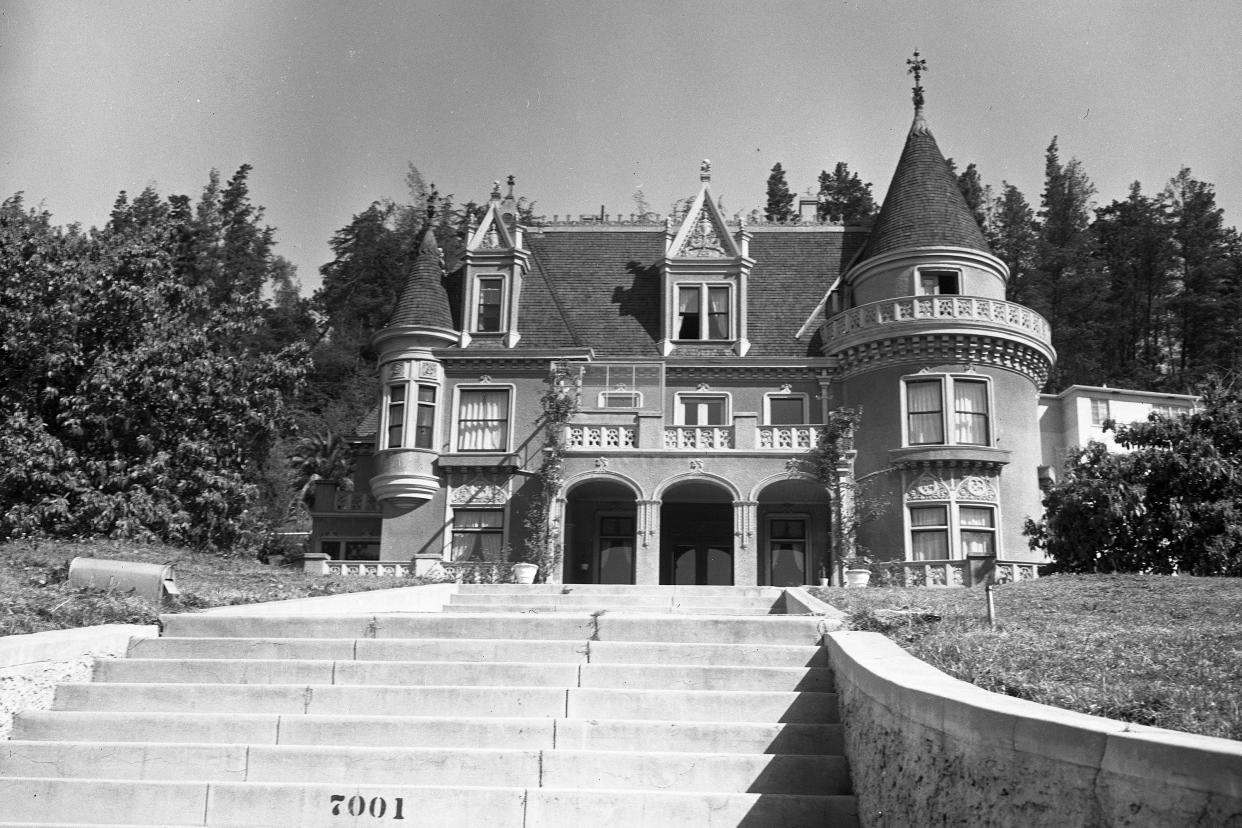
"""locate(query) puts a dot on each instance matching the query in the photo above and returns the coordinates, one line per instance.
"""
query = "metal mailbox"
(151, 581)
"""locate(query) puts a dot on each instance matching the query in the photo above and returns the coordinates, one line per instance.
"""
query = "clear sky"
(585, 101)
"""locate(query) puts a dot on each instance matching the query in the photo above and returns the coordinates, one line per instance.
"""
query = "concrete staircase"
(516, 706)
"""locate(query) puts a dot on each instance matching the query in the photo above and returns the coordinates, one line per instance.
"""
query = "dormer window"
(703, 312)
(490, 291)
(939, 282)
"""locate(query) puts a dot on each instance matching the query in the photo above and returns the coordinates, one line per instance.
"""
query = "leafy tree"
(844, 197)
(1172, 503)
(134, 403)
(780, 199)
(973, 190)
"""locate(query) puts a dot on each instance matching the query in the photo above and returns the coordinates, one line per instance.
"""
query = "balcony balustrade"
(949, 573)
(699, 438)
(987, 313)
(788, 438)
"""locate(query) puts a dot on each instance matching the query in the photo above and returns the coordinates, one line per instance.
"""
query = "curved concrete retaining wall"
(927, 749)
(32, 665)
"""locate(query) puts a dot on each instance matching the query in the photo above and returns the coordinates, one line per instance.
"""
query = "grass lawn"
(36, 595)
(1154, 650)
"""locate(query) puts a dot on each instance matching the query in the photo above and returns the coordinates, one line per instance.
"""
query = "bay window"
(929, 533)
(483, 419)
(425, 418)
(396, 415)
(948, 531)
(926, 420)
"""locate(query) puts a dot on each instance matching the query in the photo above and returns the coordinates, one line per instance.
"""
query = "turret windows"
(704, 312)
(424, 416)
(966, 420)
(939, 282)
(490, 302)
(425, 419)
(396, 415)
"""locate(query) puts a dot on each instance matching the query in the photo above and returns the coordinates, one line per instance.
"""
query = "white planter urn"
(857, 577)
(524, 573)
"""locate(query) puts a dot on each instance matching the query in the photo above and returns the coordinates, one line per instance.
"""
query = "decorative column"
(745, 547)
(844, 521)
(647, 543)
(556, 538)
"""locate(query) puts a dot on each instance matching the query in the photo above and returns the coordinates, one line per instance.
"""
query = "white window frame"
(636, 398)
(386, 410)
(679, 410)
(1095, 403)
(704, 308)
(454, 529)
(807, 526)
(786, 395)
(410, 406)
(476, 295)
(918, 280)
(953, 527)
(948, 399)
(456, 426)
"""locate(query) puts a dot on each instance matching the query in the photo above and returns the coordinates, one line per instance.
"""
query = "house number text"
(376, 806)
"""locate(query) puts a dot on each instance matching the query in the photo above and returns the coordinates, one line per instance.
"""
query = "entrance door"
(696, 543)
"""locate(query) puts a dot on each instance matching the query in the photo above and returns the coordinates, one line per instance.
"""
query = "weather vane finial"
(432, 198)
(917, 66)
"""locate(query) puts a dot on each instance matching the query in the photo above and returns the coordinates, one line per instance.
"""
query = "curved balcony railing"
(991, 313)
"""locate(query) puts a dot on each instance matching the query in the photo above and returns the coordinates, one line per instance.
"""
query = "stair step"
(44, 801)
(598, 600)
(425, 673)
(632, 610)
(740, 772)
(624, 592)
(387, 700)
(432, 731)
(606, 626)
(482, 649)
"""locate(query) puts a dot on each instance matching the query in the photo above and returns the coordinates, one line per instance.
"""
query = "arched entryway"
(600, 530)
(794, 529)
(696, 534)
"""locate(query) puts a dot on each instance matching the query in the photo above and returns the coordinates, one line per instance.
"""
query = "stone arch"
(793, 530)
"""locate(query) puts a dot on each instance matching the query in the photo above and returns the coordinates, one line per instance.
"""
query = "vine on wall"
(544, 545)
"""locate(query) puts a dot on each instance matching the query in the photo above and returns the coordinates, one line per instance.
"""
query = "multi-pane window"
(925, 412)
(786, 410)
(978, 528)
(396, 415)
(939, 283)
(490, 296)
(787, 550)
(1099, 411)
(616, 549)
(703, 312)
(695, 409)
(425, 419)
(478, 534)
(929, 533)
(483, 419)
(620, 399)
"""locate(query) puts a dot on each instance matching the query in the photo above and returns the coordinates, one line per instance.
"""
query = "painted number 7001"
(376, 806)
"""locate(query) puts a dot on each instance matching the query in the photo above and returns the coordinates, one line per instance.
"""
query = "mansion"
(676, 377)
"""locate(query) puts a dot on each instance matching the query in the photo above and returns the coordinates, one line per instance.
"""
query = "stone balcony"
(911, 315)
(650, 434)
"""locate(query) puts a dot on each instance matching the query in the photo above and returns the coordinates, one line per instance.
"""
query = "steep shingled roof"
(424, 301)
(923, 206)
(601, 289)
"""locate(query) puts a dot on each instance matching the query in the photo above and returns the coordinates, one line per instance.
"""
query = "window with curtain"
(483, 419)
(1099, 412)
(970, 412)
(396, 415)
(978, 527)
(704, 312)
(924, 408)
(425, 423)
(478, 534)
(491, 290)
(929, 533)
(688, 312)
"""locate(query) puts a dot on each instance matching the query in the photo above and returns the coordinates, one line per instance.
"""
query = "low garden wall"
(927, 749)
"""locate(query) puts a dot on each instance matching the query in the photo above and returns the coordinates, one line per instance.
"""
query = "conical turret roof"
(923, 206)
(424, 301)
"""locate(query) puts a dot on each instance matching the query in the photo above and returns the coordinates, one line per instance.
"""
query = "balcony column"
(647, 547)
(746, 545)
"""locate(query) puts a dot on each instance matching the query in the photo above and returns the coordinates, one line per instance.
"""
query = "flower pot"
(857, 577)
(825, 582)
(524, 573)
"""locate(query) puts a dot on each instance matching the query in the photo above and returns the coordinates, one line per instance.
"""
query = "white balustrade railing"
(370, 569)
(913, 308)
(600, 437)
(354, 502)
(698, 437)
(948, 573)
(788, 438)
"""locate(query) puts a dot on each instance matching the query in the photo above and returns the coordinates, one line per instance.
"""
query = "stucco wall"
(927, 749)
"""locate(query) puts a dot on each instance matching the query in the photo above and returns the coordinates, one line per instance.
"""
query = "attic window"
(939, 283)
(490, 296)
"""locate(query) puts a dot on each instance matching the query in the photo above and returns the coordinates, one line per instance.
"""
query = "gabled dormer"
(704, 275)
(496, 265)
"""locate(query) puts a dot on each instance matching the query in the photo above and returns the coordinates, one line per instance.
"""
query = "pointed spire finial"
(705, 171)
(432, 198)
(495, 191)
(511, 181)
(917, 66)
